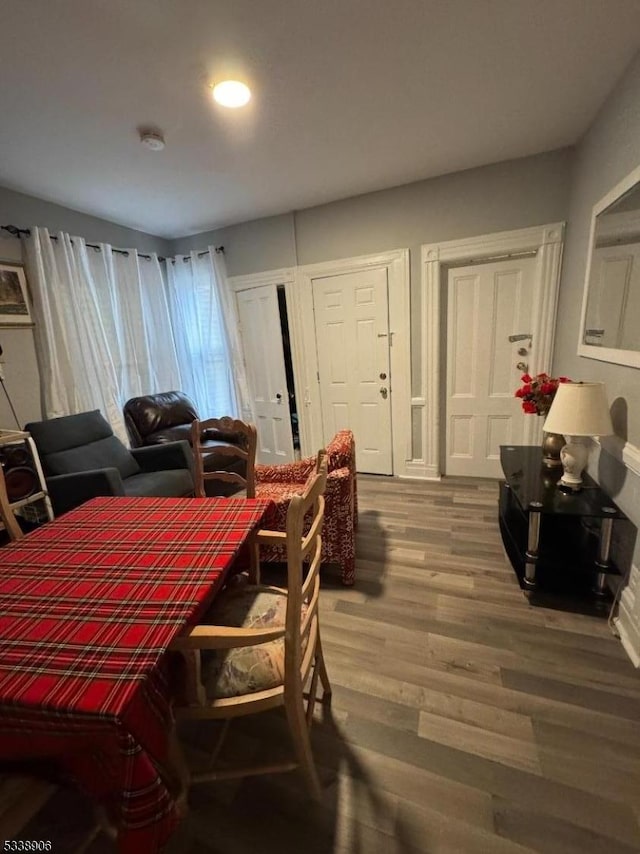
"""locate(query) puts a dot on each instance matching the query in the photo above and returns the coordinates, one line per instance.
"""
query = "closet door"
(264, 358)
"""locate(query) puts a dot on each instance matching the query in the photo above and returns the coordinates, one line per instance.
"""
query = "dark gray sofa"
(81, 458)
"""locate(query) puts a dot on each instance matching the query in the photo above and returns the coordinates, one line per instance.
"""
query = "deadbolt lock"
(383, 376)
(522, 351)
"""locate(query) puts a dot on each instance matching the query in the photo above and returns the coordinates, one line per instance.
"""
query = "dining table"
(89, 604)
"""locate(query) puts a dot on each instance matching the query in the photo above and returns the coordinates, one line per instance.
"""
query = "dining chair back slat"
(241, 444)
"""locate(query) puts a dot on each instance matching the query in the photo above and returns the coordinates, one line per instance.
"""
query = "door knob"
(522, 366)
(278, 397)
(384, 393)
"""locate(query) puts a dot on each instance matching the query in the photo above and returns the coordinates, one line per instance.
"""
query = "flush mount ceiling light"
(151, 139)
(231, 93)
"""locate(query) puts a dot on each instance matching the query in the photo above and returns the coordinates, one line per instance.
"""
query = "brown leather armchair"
(156, 419)
(159, 418)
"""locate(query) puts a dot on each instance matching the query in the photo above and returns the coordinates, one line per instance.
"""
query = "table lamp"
(579, 411)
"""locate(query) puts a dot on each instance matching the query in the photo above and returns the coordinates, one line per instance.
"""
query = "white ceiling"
(349, 96)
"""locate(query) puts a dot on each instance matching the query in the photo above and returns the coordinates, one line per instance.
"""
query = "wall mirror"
(610, 325)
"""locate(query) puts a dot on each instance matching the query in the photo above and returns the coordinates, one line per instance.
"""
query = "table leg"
(604, 552)
(533, 542)
(180, 769)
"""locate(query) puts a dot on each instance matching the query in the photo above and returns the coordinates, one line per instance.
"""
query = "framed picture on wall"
(14, 298)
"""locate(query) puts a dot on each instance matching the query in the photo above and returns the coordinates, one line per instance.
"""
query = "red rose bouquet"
(537, 392)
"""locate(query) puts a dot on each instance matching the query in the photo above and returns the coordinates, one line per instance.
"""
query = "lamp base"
(569, 488)
(574, 458)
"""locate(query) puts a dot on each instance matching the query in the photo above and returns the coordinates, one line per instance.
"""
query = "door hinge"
(318, 375)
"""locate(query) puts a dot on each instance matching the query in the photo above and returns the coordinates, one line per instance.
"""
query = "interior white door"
(264, 358)
(486, 304)
(352, 337)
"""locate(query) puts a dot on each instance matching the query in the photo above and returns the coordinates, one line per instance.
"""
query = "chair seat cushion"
(160, 484)
(176, 433)
(245, 670)
(101, 454)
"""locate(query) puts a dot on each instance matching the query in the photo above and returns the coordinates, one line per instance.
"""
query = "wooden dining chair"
(6, 513)
(263, 647)
(233, 439)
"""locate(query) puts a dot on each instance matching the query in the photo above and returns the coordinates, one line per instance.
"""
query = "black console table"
(557, 543)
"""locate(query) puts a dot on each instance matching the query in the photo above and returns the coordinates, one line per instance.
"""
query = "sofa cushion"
(69, 431)
(103, 454)
(182, 432)
(154, 412)
(212, 461)
(245, 670)
(160, 484)
(178, 433)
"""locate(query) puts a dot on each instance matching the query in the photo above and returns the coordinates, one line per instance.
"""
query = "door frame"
(305, 357)
(546, 242)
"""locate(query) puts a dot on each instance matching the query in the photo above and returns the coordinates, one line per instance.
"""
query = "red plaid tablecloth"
(88, 605)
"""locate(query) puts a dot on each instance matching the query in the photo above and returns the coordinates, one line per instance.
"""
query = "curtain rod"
(14, 231)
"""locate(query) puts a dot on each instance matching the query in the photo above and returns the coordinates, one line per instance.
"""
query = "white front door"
(352, 336)
(486, 304)
(264, 358)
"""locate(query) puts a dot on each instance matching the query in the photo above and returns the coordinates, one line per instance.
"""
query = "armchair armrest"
(224, 637)
(339, 479)
(188, 648)
(71, 490)
(297, 472)
(172, 455)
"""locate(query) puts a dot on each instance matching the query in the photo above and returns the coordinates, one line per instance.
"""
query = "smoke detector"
(152, 139)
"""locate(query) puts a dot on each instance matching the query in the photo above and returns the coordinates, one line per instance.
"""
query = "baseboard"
(626, 621)
(625, 640)
(414, 470)
(631, 457)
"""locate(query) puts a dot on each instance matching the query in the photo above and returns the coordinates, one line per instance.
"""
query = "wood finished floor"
(463, 718)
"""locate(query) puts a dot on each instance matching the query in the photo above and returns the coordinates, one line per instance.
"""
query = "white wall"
(250, 247)
(25, 211)
(609, 151)
(503, 196)
(22, 380)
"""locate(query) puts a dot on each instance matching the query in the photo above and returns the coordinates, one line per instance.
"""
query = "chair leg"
(297, 720)
(254, 563)
(348, 576)
(322, 669)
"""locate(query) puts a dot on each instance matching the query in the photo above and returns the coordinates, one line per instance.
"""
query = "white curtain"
(102, 327)
(207, 335)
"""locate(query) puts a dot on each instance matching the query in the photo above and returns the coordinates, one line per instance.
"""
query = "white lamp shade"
(579, 409)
